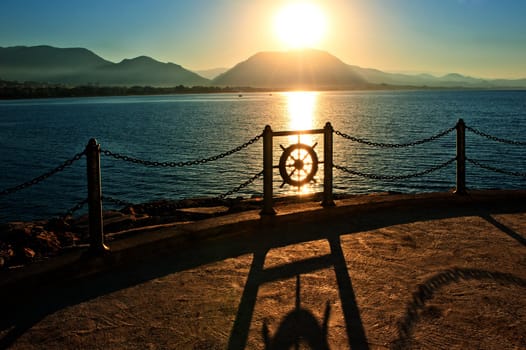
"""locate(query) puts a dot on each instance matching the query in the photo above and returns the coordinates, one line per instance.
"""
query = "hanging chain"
(395, 145)
(495, 138)
(75, 208)
(497, 170)
(181, 164)
(116, 201)
(177, 205)
(42, 177)
(240, 187)
(395, 177)
(123, 203)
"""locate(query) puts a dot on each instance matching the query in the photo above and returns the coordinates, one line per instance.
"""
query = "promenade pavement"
(428, 271)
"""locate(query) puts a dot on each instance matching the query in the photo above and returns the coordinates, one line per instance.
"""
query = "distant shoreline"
(13, 90)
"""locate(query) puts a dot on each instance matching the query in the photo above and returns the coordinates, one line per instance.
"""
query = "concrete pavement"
(380, 271)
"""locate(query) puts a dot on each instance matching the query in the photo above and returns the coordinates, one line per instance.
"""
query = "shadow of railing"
(504, 229)
(22, 309)
(258, 276)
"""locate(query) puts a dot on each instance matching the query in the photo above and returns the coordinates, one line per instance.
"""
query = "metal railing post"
(461, 158)
(267, 172)
(95, 226)
(327, 166)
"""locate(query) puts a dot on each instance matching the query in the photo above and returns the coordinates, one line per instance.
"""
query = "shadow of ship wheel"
(300, 324)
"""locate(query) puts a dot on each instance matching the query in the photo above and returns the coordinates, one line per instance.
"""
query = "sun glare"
(300, 25)
(302, 110)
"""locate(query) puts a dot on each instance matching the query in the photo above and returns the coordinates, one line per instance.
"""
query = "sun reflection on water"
(301, 108)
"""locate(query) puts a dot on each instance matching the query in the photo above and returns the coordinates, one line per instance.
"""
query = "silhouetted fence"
(297, 166)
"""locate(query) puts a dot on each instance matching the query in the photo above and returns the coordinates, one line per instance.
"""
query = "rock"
(16, 233)
(29, 253)
(67, 239)
(58, 225)
(47, 243)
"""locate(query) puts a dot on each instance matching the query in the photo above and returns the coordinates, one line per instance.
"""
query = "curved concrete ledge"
(247, 231)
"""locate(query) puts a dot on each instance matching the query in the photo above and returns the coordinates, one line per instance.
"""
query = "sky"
(481, 38)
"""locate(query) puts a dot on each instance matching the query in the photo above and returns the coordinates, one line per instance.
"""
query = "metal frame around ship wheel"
(268, 167)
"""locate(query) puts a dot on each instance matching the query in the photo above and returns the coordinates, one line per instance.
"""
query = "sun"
(300, 25)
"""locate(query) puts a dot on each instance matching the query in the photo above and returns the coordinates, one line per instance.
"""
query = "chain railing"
(185, 164)
(93, 152)
(240, 187)
(496, 170)
(182, 164)
(395, 177)
(481, 165)
(395, 145)
(74, 208)
(44, 176)
(495, 138)
(123, 203)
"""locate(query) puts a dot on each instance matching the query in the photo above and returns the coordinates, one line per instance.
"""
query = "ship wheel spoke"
(302, 160)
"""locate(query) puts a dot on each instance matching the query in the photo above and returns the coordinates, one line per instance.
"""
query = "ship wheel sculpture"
(298, 164)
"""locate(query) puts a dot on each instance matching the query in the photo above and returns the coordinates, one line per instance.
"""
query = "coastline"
(13, 90)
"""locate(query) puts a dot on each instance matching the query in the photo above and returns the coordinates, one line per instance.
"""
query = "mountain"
(77, 66)
(298, 69)
(452, 80)
(144, 70)
(211, 73)
(46, 63)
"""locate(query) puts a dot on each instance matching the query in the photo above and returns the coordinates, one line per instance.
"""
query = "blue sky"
(483, 38)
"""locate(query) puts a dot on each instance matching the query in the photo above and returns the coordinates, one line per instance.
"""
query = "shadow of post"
(239, 333)
(353, 321)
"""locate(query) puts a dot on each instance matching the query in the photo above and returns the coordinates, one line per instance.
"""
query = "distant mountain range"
(298, 69)
(78, 66)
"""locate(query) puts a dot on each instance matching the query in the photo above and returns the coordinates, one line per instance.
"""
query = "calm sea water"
(38, 135)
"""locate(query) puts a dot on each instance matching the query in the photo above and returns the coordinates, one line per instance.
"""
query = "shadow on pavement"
(299, 324)
(504, 229)
(287, 334)
(425, 292)
(22, 311)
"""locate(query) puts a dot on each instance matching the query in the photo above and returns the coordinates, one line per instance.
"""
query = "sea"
(37, 136)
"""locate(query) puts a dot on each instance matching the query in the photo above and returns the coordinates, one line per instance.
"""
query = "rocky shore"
(26, 242)
(22, 243)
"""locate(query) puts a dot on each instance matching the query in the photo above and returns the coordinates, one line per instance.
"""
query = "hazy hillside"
(79, 66)
(46, 63)
(147, 71)
(211, 73)
(452, 80)
(299, 69)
